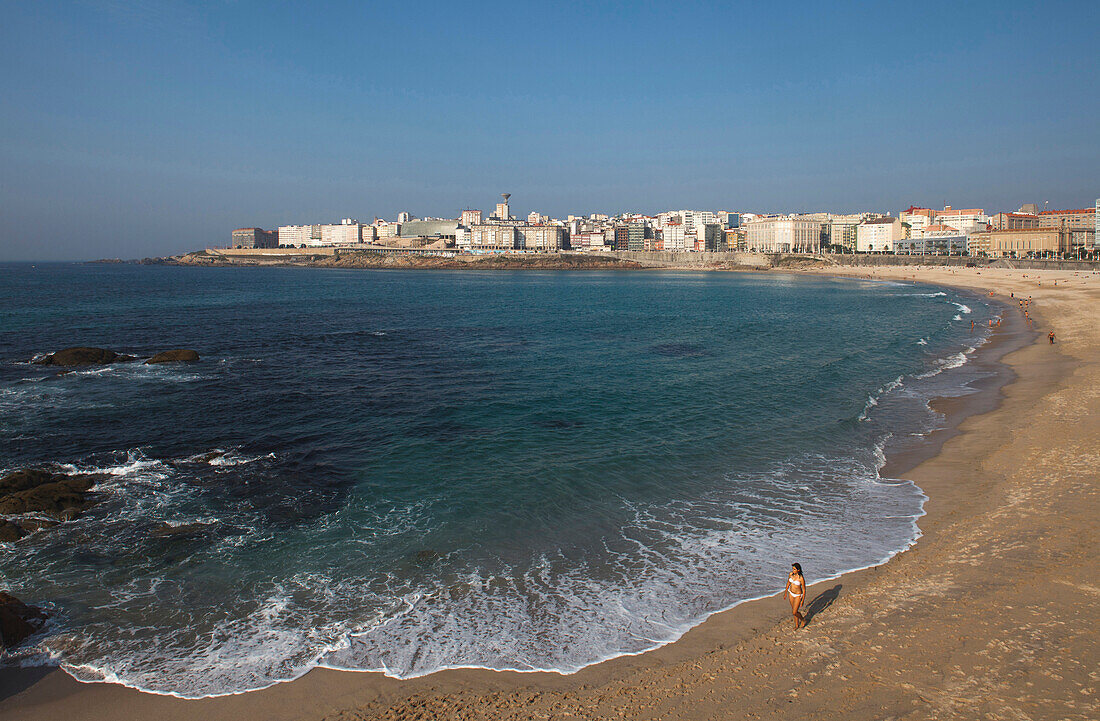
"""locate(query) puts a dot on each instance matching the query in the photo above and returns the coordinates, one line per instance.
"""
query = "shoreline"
(747, 627)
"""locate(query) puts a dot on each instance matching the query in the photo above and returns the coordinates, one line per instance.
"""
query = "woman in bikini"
(796, 593)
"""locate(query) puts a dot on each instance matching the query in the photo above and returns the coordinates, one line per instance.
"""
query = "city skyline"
(149, 128)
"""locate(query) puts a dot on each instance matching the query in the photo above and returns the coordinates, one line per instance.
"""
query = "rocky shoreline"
(41, 497)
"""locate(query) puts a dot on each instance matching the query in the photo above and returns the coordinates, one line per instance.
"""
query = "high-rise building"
(673, 236)
(503, 212)
(622, 238)
(470, 218)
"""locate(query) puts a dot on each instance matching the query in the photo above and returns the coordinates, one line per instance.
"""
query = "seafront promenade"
(990, 615)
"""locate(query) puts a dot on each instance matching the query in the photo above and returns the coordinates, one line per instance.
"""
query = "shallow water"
(414, 470)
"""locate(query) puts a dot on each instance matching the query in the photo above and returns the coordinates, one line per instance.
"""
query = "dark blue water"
(414, 470)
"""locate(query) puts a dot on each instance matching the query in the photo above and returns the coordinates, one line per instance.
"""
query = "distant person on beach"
(796, 592)
(1051, 336)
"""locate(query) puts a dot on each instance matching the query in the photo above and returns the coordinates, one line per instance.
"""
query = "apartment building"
(673, 236)
(542, 238)
(784, 235)
(492, 238)
(1069, 219)
(965, 220)
(345, 233)
(254, 238)
(879, 235)
(299, 235)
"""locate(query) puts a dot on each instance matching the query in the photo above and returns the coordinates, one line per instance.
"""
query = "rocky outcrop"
(17, 620)
(83, 356)
(10, 532)
(180, 355)
(36, 490)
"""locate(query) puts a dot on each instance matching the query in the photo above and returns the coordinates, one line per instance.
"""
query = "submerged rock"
(180, 355)
(36, 490)
(10, 532)
(83, 356)
(17, 620)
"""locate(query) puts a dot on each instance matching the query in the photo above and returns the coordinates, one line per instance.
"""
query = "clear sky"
(145, 128)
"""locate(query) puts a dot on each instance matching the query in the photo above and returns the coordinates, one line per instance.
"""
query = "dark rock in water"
(10, 532)
(17, 620)
(35, 490)
(180, 355)
(82, 356)
(30, 525)
(427, 556)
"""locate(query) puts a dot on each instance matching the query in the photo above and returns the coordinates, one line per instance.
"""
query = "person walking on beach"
(796, 594)
(1051, 336)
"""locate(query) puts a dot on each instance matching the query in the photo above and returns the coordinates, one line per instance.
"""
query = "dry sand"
(990, 615)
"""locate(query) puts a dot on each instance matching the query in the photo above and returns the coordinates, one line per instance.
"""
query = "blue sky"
(143, 128)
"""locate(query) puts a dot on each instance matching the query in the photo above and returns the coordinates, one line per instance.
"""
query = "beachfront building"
(933, 244)
(492, 238)
(784, 235)
(673, 236)
(254, 238)
(1024, 243)
(297, 236)
(878, 235)
(541, 238)
(345, 233)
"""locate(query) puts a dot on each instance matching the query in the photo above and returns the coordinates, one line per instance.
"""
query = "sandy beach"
(990, 614)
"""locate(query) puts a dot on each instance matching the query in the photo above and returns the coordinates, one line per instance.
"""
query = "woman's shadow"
(821, 602)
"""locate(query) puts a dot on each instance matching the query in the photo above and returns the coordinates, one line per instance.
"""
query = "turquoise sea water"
(413, 470)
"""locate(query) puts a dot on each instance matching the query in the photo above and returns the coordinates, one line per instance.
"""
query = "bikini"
(796, 582)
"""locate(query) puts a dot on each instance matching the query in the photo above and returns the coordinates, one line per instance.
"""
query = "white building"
(878, 235)
(784, 235)
(673, 236)
(965, 220)
(917, 219)
(386, 229)
(299, 235)
(346, 233)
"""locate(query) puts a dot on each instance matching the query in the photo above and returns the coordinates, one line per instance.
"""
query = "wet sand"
(989, 615)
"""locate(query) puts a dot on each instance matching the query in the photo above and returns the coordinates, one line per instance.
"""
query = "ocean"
(407, 471)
